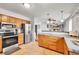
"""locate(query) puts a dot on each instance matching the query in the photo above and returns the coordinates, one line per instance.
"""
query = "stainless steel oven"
(8, 41)
(9, 34)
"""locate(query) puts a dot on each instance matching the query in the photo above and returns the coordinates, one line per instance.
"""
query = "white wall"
(75, 23)
(10, 13)
(70, 25)
(41, 22)
(42, 19)
(66, 25)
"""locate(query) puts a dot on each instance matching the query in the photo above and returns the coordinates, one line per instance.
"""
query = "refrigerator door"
(27, 33)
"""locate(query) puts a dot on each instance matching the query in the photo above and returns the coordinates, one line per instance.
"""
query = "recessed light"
(62, 20)
(26, 5)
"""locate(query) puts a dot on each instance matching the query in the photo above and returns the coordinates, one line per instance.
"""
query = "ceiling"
(40, 9)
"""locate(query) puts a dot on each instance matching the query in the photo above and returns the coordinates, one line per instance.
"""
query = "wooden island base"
(54, 43)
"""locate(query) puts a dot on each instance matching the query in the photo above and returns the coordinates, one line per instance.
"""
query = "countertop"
(68, 40)
(71, 45)
(60, 34)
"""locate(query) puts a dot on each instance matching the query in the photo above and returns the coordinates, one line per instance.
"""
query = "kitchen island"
(54, 41)
(66, 45)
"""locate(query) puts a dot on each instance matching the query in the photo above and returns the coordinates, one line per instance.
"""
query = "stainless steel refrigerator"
(27, 33)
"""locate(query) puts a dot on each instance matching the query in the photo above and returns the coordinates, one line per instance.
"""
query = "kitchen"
(53, 30)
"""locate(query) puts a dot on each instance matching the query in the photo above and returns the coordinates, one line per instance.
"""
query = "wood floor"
(33, 49)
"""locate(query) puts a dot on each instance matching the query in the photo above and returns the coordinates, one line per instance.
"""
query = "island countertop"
(60, 34)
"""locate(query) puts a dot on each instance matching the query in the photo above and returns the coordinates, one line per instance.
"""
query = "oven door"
(9, 41)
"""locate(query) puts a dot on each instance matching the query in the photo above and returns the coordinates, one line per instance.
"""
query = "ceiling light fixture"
(62, 16)
(62, 20)
(26, 5)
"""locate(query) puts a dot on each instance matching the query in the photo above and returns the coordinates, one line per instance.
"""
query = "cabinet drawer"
(52, 43)
(52, 47)
(45, 45)
(53, 40)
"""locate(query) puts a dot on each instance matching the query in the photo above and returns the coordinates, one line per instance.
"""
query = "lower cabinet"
(52, 42)
(52, 47)
(20, 39)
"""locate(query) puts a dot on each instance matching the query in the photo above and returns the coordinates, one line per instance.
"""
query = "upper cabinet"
(5, 18)
(23, 21)
(18, 23)
(28, 22)
(12, 20)
(0, 18)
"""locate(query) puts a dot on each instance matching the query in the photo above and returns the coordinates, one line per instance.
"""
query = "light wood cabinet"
(52, 42)
(18, 23)
(9, 19)
(12, 20)
(28, 22)
(20, 39)
(0, 18)
(66, 49)
(23, 21)
(1, 44)
(5, 18)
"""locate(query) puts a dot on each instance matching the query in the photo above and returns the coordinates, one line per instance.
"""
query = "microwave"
(7, 26)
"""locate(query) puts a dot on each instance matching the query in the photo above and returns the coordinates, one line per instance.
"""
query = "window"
(70, 25)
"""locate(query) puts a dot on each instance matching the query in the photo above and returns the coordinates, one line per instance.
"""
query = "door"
(36, 30)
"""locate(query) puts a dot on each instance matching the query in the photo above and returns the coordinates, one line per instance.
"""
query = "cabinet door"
(60, 45)
(0, 18)
(52, 47)
(12, 20)
(40, 41)
(20, 39)
(23, 21)
(5, 18)
(28, 22)
(0, 44)
(18, 23)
